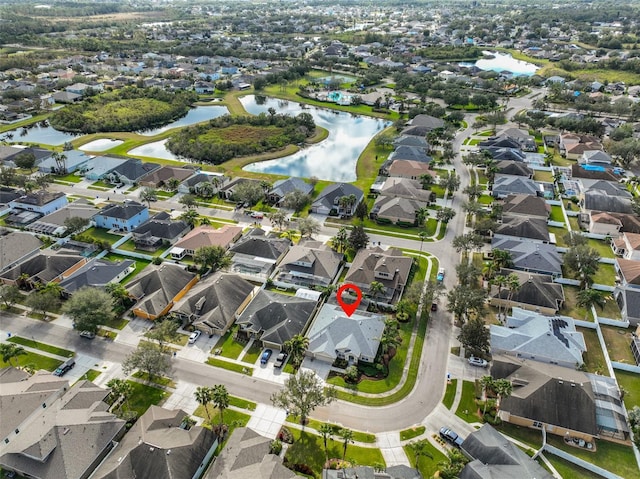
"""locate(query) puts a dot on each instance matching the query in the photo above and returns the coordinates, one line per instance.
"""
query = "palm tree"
(190, 217)
(148, 195)
(503, 389)
(427, 181)
(419, 449)
(513, 283)
(376, 288)
(500, 281)
(486, 382)
(204, 395)
(220, 399)
(296, 347)
(347, 437)
(502, 258)
(390, 338)
(423, 236)
(327, 431)
(489, 270)
(340, 241)
(421, 216)
(588, 298)
(9, 351)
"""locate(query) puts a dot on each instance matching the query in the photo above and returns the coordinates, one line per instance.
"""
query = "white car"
(194, 336)
(481, 363)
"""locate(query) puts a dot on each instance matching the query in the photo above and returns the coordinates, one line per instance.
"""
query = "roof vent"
(168, 451)
(151, 449)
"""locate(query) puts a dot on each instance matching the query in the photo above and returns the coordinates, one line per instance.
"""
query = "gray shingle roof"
(276, 317)
(328, 196)
(157, 286)
(528, 256)
(261, 246)
(524, 227)
(535, 289)
(96, 273)
(509, 184)
(599, 200)
(16, 245)
(516, 168)
(135, 169)
(281, 188)
(528, 205)
(123, 211)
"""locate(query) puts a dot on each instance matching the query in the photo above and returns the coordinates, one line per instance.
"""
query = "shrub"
(304, 469)
(275, 447)
(285, 435)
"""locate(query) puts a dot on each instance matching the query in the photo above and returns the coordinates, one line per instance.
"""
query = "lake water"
(333, 159)
(45, 135)
(195, 115)
(157, 149)
(504, 61)
(102, 144)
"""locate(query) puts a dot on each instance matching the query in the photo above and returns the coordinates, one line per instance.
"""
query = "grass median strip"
(358, 436)
(412, 432)
(228, 365)
(47, 348)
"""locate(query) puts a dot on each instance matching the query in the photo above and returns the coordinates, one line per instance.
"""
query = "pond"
(333, 159)
(45, 135)
(157, 149)
(102, 144)
(195, 115)
(504, 61)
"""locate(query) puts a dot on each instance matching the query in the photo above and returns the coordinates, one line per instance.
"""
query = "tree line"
(217, 141)
(128, 109)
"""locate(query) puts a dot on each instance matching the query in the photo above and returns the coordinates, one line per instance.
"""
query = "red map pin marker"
(349, 308)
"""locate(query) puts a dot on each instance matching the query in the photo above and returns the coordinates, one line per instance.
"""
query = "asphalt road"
(411, 410)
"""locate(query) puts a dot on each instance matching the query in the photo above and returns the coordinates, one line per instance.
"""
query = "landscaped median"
(230, 366)
(47, 348)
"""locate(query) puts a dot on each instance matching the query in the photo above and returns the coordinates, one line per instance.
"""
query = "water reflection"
(195, 115)
(333, 159)
(157, 149)
(45, 135)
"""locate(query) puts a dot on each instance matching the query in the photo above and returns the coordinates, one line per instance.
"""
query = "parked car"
(450, 436)
(65, 367)
(481, 363)
(434, 307)
(257, 215)
(280, 360)
(265, 356)
(194, 336)
(87, 334)
(440, 276)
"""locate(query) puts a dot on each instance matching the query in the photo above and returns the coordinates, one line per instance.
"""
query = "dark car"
(280, 360)
(265, 356)
(450, 436)
(434, 306)
(65, 367)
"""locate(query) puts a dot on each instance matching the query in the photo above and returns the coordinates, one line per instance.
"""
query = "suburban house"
(247, 455)
(194, 183)
(205, 236)
(627, 290)
(16, 246)
(160, 446)
(603, 223)
(599, 200)
(525, 205)
(529, 256)
(158, 288)
(410, 169)
(160, 177)
(410, 140)
(409, 153)
(7, 195)
(548, 339)
(226, 191)
(596, 157)
(505, 185)
(129, 172)
(565, 402)
(44, 267)
(97, 273)
(273, 319)
(30, 207)
(52, 430)
(627, 246)
(493, 455)
(157, 231)
(309, 263)
(396, 210)
(282, 188)
(524, 227)
(121, 217)
(70, 161)
(333, 335)
(405, 188)
(329, 201)
(427, 121)
(399, 471)
(97, 168)
(526, 141)
(572, 145)
(513, 168)
(609, 188)
(390, 268)
(537, 292)
(212, 305)
(54, 223)
(257, 254)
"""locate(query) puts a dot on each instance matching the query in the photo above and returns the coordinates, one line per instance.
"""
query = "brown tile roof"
(526, 205)
(603, 217)
(630, 270)
(209, 236)
(410, 168)
(633, 239)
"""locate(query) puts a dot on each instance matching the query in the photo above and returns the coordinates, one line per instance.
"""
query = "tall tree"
(148, 195)
(588, 298)
(296, 200)
(340, 241)
(308, 227)
(164, 332)
(149, 358)
(188, 201)
(467, 242)
(214, 257)
(347, 437)
(10, 351)
(445, 214)
(326, 430)
(9, 294)
(296, 347)
(584, 262)
(89, 308)
(503, 389)
(358, 238)
(43, 301)
(450, 182)
(75, 224)
(302, 393)
(278, 219)
(474, 337)
(419, 449)
(462, 300)
(121, 391)
(220, 399)
(376, 288)
(204, 396)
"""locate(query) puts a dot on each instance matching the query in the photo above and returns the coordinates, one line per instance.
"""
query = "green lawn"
(230, 348)
(48, 348)
(570, 307)
(438, 190)
(594, 357)
(160, 381)
(238, 368)
(575, 224)
(395, 368)
(70, 178)
(33, 360)
(630, 382)
(427, 466)
(602, 247)
(606, 274)
(91, 374)
(569, 470)
(101, 234)
(412, 432)
(617, 341)
(485, 199)
(358, 436)
(468, 409)
(131, 246)
(611, 309)
(140, 264)
(242, 403)
(556, 214)
(450, 393)
(308, 449)
(545, 176)
(559, 232)
(229, 416)
(252, 354)
(144, 396)
(180, 339)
